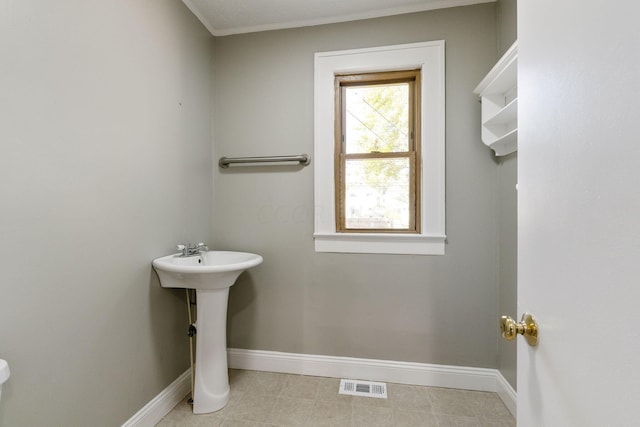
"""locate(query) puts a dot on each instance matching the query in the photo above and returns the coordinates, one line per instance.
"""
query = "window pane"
(377, 193)
(377, 118)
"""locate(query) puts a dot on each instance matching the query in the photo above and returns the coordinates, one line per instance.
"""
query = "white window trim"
(429, 57)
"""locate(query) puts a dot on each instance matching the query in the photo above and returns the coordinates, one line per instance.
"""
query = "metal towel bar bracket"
(303, 159)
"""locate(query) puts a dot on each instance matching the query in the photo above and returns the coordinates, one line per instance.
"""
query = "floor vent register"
(363, 388)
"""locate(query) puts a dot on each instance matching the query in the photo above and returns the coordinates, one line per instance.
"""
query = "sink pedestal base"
(211, 389)
(211, 274)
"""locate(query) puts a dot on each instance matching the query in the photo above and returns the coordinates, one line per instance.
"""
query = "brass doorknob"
(527, 328)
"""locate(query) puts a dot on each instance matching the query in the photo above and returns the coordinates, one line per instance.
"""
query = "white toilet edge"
(4, 371)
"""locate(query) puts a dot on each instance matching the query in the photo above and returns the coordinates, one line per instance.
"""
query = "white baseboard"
(424, 374)
(507, 393)
(162, 404)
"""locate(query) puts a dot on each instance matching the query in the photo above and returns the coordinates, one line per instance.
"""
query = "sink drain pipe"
(191, 332)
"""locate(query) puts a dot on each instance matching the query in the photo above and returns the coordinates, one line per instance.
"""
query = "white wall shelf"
(508, 114)
(499, 94)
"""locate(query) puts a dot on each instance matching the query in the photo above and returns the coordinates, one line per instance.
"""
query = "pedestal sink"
(211, 274)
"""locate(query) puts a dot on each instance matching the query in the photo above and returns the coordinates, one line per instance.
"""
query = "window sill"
(380, 243)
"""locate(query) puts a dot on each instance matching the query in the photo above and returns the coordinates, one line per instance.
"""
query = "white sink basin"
(211, 270)
(211, 274)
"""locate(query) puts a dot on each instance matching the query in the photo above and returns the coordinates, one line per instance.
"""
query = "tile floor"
(268, 400)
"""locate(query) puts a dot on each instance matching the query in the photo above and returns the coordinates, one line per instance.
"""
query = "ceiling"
(225, 17)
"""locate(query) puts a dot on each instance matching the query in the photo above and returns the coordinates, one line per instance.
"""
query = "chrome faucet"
(192, 249)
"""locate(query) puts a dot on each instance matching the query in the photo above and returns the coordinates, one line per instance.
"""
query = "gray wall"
(432, 309)
(506, 24)
(507, 177)
(508, 245)
(105, 164)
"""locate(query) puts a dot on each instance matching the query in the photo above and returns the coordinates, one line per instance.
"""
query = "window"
(379, 150)
(378, 169)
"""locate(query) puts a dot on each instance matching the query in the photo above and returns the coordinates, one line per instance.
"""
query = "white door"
(579, 212)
